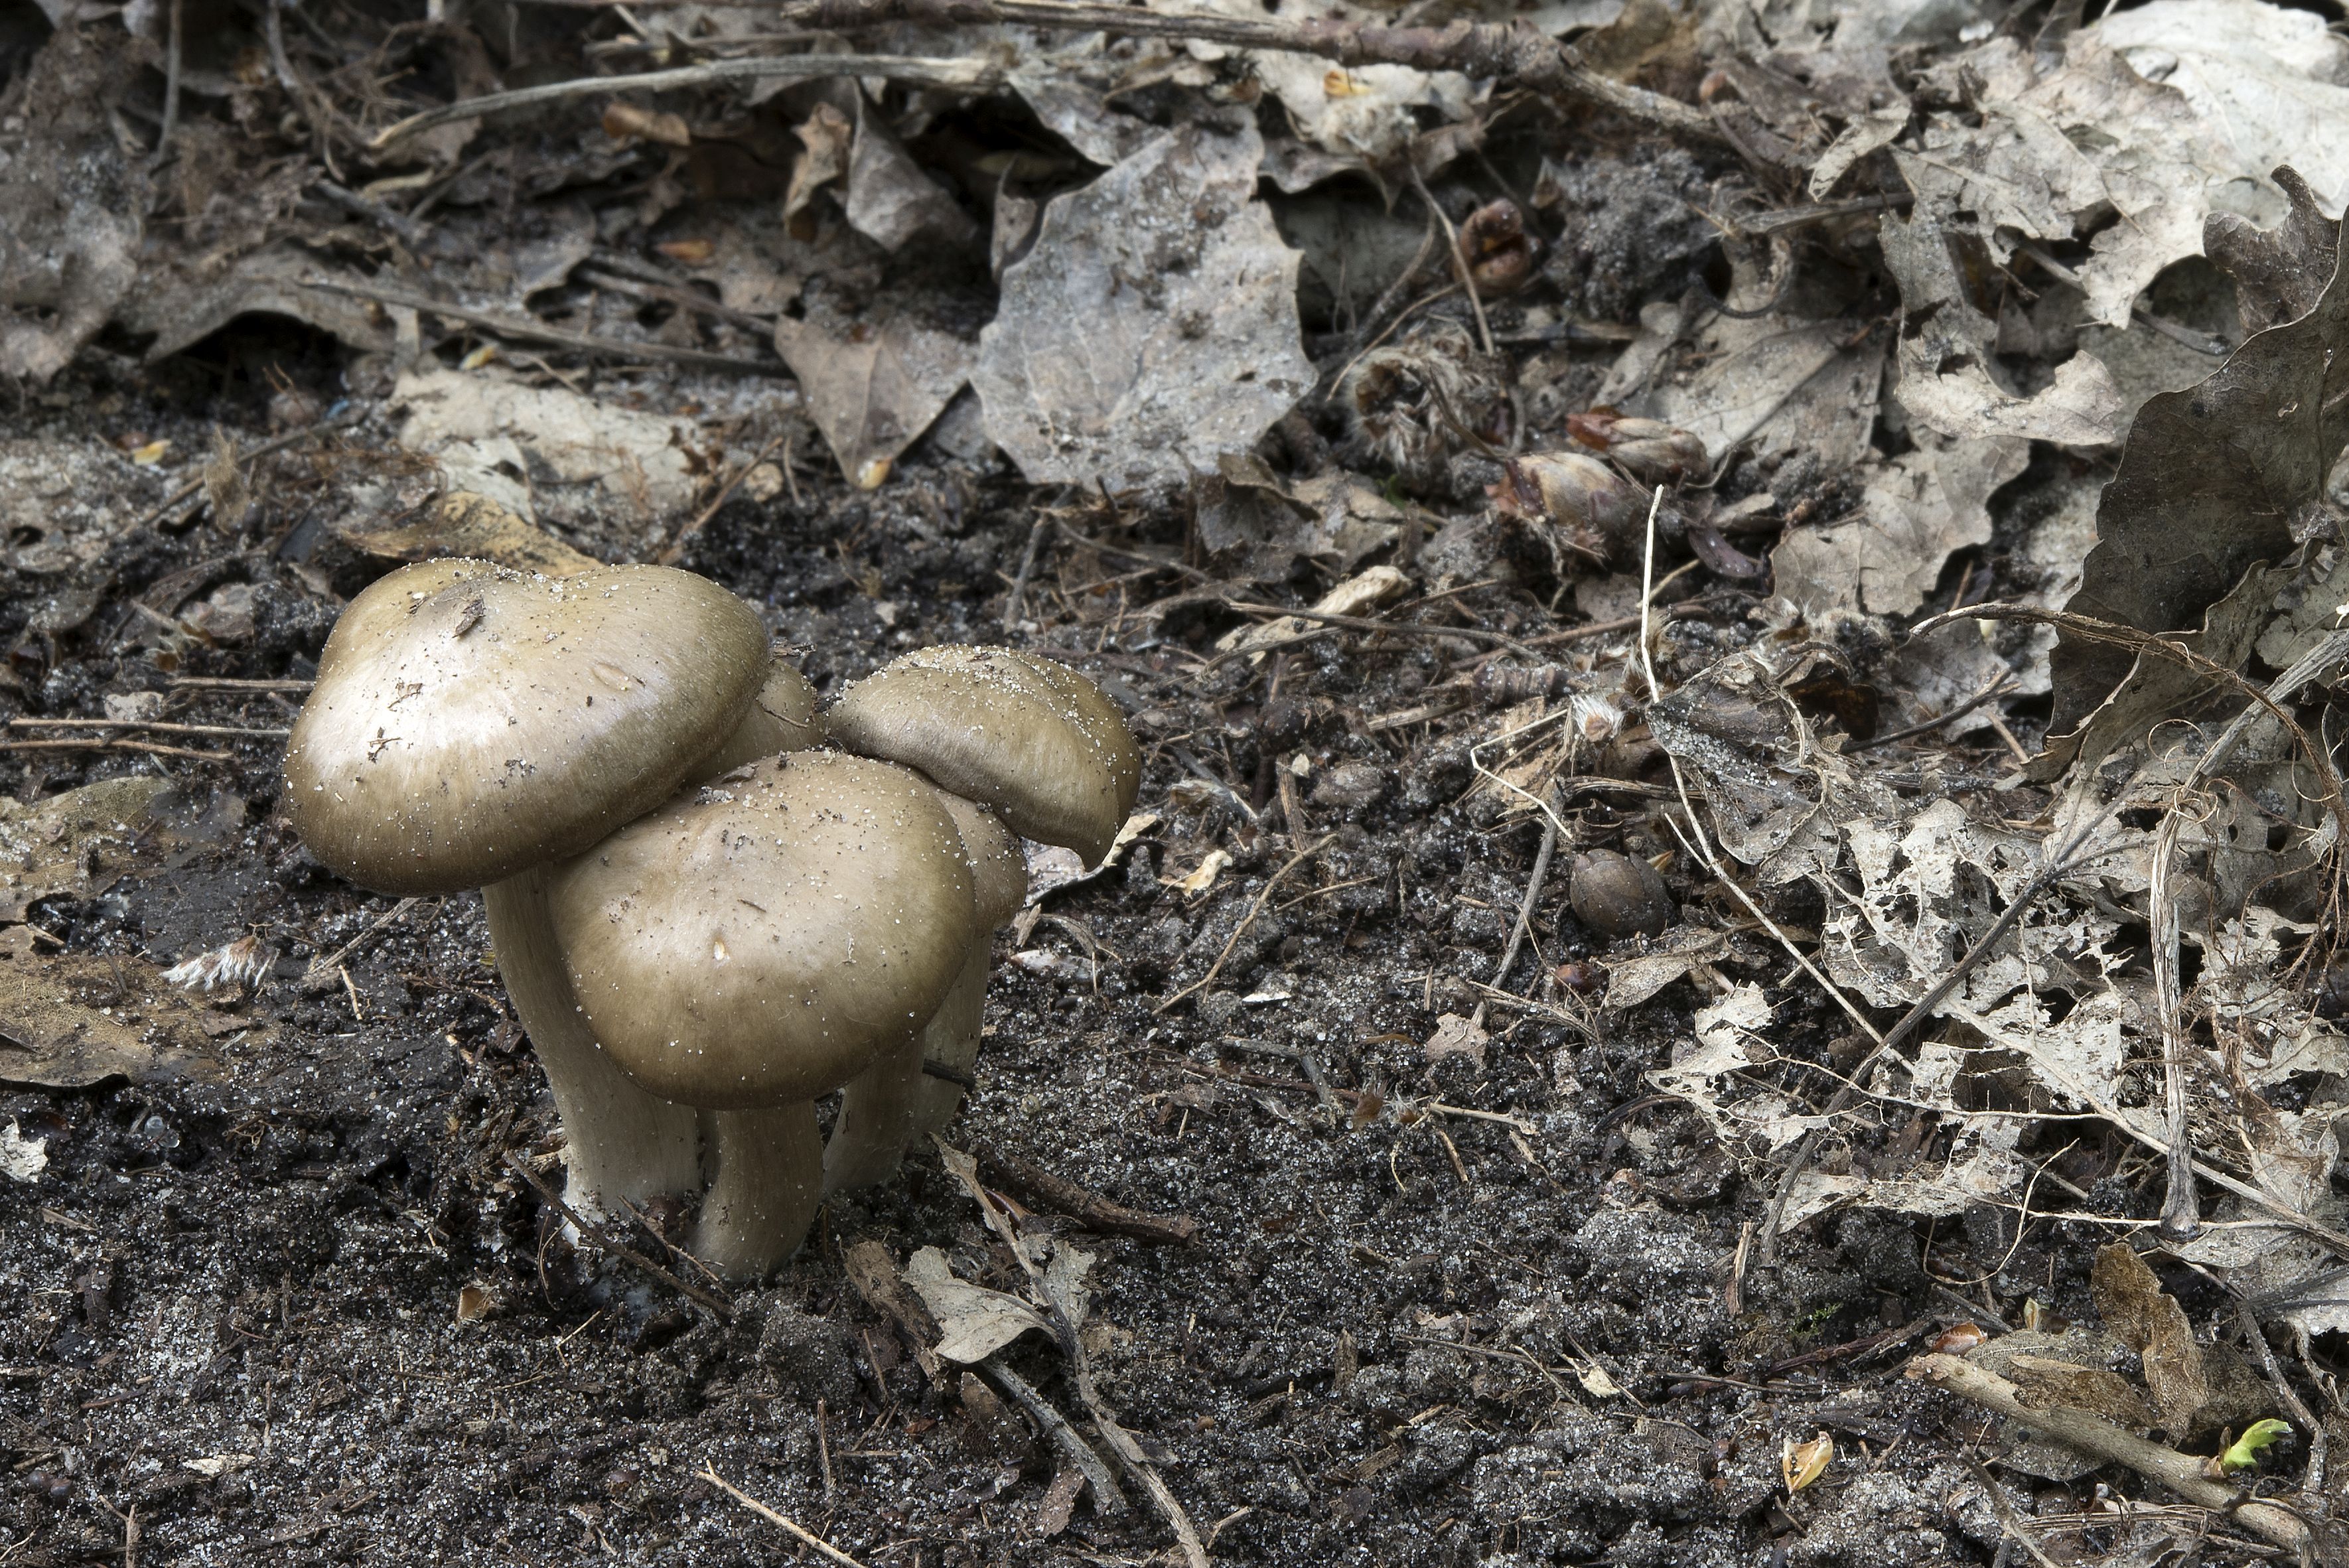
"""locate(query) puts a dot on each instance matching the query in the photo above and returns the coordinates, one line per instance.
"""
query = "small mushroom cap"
(781, 718)
(469, 722)
(1028, 737)
(762, 939)
(998, 871)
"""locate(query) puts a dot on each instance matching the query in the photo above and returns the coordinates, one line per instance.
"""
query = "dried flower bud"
(1596, 510)
(1648, 448)
(1619, 895)
(1957, 1339)
(1495, 252)
(1580, 977)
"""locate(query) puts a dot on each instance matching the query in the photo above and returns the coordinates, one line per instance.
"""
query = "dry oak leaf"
(1154, 325)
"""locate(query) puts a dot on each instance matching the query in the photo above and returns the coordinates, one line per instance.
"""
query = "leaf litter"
(1303, 376)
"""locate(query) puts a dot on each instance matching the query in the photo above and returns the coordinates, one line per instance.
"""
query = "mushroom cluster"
(711, 904)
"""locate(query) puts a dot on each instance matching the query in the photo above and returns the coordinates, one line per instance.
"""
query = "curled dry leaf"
(1800, 1464)
(1154, 325)
(72, 200)
(2149, 1320)
(470, 525)
(975, 1322)
(2213, 479)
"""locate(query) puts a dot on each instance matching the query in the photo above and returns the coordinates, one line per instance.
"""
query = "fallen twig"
(2181, 1474)
(772, 1517)
(148, 748)
(320, 976)
(1299, 859)
(972, 74)
(513, 327)
(156, 726)
(610, 1243)
(1120, 1442)
(1030, 1184)
(1534, 881)
(1109, 1499)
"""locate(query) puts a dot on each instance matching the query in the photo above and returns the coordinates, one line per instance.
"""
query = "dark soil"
(1504, 1332)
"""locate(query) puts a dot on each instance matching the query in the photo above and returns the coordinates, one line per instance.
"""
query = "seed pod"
(1619, 895)
(1495, 249)
(1649, 449)
(1580, 977)
(1594, 509)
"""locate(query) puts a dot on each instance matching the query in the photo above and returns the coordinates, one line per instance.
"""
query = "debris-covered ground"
(1727, 952)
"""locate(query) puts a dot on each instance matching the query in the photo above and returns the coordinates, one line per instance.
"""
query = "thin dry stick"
(2006, 1509)
(772, 1517)
(156, 726)
(1371, 624)
(1036, 533)
(1459, 263)
(512, 327)
(2181, 1474)
(1299, 859)
(604, 1239)
(1120, 1442)
(969, 75)
(1109, 1500)
(170, 93)
(2181, 1210)
(1525, 906)
(145, 748)
(675, 549)
(320, 976)
(1515, 55)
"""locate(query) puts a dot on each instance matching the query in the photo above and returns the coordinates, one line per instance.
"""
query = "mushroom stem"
(951, 1040)
(770, 1181)
(624, 1143)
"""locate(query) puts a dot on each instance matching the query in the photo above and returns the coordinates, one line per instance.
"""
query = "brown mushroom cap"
(469, 722)
(998, 872)
(1028, 737)
(781, 718)
(764, 939)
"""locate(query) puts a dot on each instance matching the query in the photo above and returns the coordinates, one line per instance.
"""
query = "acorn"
(1618, 896)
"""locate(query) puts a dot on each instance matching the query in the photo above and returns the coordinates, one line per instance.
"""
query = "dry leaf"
(825, 135)
(975, 1322)
(22, 1159)
(1455, 1036)
(1059, 1501)
(889, 200)
(475, 526)
(72, 1020)
(2144, 1317)
(1202, 876)
(475, 1301)
(69, 243)
(63, 845)
(624, 121)
(1915, 510)
(1803, 1463)
(1154, 325)
(873, 382)
(573, 452)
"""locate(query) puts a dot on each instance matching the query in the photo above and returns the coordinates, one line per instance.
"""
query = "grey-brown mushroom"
(1047, 753)
(471, 724)
(757, 942)
(912, 1091)
(1024, 736)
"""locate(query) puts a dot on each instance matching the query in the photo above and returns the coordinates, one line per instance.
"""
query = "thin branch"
(512, 327)
(772, 1517)
(1247, 920)
(604, 1238)
(970, 75)
(2091, 1434)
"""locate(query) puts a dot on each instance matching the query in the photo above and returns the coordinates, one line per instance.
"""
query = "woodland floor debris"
(1340, 1193)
